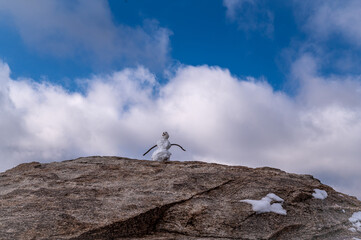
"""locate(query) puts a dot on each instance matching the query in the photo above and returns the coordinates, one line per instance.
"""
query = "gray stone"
(118, 198)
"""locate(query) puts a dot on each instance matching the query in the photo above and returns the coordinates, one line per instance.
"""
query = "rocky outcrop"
(118, 198)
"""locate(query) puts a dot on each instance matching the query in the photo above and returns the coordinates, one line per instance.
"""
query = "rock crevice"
(137, 226)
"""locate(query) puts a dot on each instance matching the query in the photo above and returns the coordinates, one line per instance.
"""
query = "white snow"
(352, 229)
(162, 153)
(354, 238)
(356, 222)
(319, 194)
(264, 205)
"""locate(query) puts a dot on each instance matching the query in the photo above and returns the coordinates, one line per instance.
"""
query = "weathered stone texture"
(118, 198)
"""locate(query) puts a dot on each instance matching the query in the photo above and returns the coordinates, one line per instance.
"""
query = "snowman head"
(165, 135)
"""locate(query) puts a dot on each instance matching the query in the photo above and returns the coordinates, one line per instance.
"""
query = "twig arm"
(149, 150)
(173, 144)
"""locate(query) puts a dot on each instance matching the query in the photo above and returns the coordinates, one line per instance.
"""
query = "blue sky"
(200, 33)
(241, 82)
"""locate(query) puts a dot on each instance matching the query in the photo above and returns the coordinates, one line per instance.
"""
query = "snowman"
(161, 153)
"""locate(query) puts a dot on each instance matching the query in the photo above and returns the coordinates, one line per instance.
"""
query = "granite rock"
(117, 198)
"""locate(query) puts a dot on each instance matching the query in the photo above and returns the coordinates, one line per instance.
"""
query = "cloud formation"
(331, 33)
(86, 29)
(337, 18)
(250, 15)
(214, 115)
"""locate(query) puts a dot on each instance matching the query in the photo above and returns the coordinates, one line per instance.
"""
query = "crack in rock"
(139, 225)
(283, 230)
(197, 236)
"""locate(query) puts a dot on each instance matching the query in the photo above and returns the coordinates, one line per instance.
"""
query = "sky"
(238, 82)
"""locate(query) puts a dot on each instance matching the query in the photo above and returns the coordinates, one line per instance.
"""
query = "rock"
(117, 198)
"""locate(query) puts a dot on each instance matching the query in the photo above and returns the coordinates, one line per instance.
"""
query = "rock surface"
(118, 198)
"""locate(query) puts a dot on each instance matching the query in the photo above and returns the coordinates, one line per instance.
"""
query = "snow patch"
(319, 194)
(356, 222)
(264, 205)
(352, 229)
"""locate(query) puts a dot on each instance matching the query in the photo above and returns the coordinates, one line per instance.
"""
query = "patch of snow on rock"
(356, 222)
(319, 194)
(352, 229)
(264, 205)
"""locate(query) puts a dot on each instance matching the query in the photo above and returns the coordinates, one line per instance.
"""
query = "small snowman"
(161, 153)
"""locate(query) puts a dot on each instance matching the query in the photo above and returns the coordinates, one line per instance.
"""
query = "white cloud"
(326, 19)
(59, 125)
(250, 15)
(86, 28)
(211, 113)
(331, 33)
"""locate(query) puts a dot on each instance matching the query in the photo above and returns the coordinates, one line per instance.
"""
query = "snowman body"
(161, 153)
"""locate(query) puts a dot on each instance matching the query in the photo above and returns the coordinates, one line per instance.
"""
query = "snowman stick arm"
(149, 150)
(173, 144)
